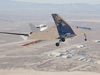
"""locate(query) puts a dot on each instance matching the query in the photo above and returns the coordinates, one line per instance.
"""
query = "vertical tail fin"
(33, 28)
(62, 26)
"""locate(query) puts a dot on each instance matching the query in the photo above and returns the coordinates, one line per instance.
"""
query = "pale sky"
(61, 1)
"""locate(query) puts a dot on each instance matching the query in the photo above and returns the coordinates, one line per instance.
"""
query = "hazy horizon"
(94, 2)
(60, 1)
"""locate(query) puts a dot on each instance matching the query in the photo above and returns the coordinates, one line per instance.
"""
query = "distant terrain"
(73, 55)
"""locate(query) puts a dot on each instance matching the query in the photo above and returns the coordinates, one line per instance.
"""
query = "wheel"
(57, 44)
(63, 39)
(85, 39)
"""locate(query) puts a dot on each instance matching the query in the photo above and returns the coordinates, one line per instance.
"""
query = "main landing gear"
(85, 37)
(61, 40)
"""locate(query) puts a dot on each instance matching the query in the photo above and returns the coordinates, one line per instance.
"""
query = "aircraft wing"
(24, 36)
(65, 28)
(14, 33)
(79, 31)
(49, 34)
(86, 28)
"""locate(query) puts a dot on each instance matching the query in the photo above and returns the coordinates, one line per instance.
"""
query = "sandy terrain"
(73, 57)
(31, 72)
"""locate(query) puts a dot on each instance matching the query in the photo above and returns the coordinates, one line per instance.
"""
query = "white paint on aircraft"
(96, 40)
(42, 27)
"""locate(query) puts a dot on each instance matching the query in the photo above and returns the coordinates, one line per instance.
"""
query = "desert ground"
(73, 57)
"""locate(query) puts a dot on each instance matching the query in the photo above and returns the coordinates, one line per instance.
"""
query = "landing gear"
(61, 40)
(85, 37)
(57, 44)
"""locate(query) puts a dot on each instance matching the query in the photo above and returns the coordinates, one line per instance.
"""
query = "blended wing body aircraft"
(60, 30)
